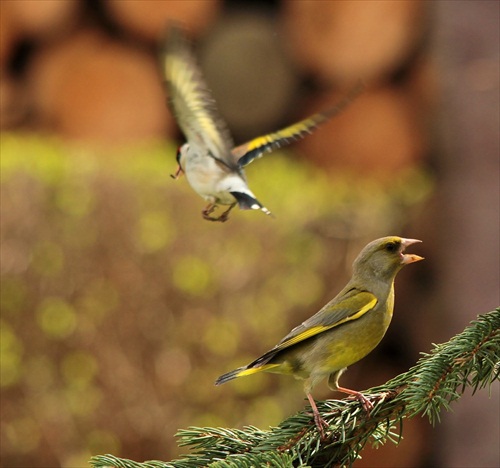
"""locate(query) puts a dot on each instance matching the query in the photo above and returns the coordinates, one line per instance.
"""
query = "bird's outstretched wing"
(353, 305)
(247, 152)
(190, 99)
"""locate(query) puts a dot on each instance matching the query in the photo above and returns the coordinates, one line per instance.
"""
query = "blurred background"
(121, 305)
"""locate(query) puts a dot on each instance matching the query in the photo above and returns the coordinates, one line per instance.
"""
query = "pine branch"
(470, 359)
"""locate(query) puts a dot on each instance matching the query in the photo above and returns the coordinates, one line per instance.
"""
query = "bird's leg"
(321, 424)
(333, 383)
(225, 216)
(209, 210)
(365, 402)
(178, 173)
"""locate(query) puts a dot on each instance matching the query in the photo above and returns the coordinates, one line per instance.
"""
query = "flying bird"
(345, 330)
(213, 165)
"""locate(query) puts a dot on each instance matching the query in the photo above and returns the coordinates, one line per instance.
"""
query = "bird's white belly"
(210, 181)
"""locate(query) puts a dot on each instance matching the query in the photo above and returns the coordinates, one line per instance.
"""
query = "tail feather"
(247, 202)
(229, 376)
(261, 364)
(243, 371)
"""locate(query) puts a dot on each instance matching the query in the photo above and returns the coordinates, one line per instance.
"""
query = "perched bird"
(211, 163)
(345, 330)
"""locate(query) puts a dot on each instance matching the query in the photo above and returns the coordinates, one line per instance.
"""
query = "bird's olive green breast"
(351, 341)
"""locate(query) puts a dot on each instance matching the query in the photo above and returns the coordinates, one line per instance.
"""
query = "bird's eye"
(391, 246)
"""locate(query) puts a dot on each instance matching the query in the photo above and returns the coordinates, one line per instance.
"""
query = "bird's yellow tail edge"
(244, 372)
(254, 370)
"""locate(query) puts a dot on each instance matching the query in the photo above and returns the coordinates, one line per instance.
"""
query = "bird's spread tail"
(247, 202)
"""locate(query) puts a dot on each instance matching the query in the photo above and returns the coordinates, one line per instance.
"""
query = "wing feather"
(352, 306)
(191, 101)
(248, 152)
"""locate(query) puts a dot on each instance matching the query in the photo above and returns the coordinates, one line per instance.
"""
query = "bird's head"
(180, 157)
(181, 154)
(384, 257)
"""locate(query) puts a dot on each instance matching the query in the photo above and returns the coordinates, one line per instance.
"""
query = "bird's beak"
(409, 258)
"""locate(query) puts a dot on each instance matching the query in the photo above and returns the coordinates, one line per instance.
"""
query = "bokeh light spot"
(221, 337)
(23, 434)
(79, 369)
(192, 275)
(75, 200)
(56, 317)
(155, 231)
(83, 402)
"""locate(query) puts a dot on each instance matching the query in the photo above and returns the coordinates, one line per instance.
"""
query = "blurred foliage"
(121, 305)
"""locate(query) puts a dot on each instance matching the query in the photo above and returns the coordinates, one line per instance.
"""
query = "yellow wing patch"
(246, 153)
(292, 132)
(304, 126)
(304, 335)
(321, 328)
(256, 147)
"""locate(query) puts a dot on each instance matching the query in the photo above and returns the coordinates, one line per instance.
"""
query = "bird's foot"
(208, 211)
(321, 424)
(210, 218)
(222, 218)
(225, 216)
(365, 402)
